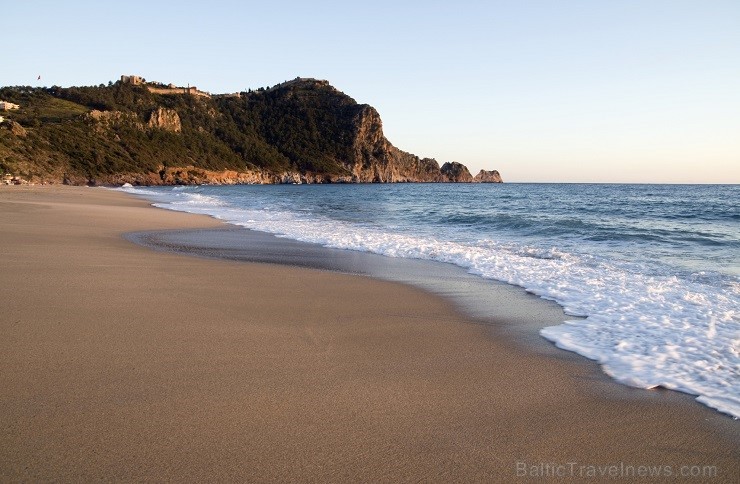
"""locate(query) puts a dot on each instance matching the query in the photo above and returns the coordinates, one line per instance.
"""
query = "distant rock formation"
(15, 128)
(485, 176)
(166, 119)
(456, 172)
(104, 120)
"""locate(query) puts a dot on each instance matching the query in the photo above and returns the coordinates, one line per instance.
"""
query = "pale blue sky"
(597, 90)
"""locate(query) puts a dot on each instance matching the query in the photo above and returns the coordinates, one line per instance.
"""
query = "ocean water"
(652, 271)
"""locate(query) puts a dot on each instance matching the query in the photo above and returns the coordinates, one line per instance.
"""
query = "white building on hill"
(6, 106)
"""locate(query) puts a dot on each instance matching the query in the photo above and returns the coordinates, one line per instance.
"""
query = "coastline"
(125, 363)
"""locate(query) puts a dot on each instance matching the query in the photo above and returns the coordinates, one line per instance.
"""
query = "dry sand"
(121, 363)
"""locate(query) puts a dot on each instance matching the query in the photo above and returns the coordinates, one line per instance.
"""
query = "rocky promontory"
(299, 131)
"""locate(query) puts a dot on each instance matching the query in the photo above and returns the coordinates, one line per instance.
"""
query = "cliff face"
(166, 119)
(301, 131)
(375, 159)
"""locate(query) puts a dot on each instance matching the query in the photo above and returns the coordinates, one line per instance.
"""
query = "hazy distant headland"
(149, 133)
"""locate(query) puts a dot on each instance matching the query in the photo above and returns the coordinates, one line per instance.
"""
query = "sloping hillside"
(303, 130)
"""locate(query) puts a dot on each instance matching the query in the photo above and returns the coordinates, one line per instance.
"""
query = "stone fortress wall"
(169, 90)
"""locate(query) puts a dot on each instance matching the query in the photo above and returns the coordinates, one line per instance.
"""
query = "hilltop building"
(6, 106)
(135, 80)
(158, 88)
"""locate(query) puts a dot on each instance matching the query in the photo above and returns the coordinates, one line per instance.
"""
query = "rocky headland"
(131, 131)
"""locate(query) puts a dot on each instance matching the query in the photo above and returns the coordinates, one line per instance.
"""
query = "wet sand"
(118, 362)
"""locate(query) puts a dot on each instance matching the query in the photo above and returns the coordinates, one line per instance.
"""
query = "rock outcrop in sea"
(456, 172)
(491, 176)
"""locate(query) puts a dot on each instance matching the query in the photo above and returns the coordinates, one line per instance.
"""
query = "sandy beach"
(121, 363)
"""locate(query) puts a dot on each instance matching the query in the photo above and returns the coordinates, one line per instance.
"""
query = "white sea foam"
(645, 330)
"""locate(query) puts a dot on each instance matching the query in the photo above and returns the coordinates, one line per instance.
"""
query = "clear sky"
(568, 90)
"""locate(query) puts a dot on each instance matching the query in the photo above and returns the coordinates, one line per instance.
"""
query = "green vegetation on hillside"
(300, 128)
(303, 126)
